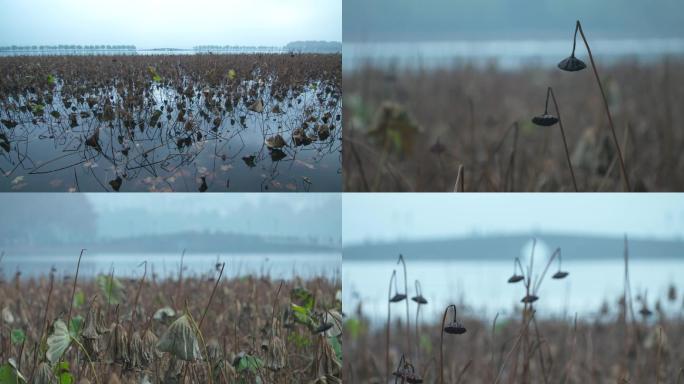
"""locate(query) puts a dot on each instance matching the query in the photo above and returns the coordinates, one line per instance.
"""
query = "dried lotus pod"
(545, 120)
(572, 64)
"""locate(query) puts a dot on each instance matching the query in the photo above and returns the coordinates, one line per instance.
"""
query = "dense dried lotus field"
(601, 350)
(248, 122)
(255, 330)
(410, 130)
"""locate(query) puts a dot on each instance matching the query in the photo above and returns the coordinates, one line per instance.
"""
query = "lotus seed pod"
(397, 298)
(545, 120)
(180, 340)
(572, 64)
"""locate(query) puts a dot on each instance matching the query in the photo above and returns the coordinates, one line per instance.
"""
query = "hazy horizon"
(100, 217)
(390, 217)
(169, 23)
(442, 20)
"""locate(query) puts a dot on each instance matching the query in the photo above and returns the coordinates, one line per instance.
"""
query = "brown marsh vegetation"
(247, 122)
(193, 329)
(633, 340)
(418, 129)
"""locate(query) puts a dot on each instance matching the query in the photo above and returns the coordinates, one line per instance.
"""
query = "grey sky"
(316, 215)
(391, 216)
(168, 23)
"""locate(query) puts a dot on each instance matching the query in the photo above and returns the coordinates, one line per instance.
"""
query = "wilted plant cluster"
(420, 129)
(194, 329)
(404, 348)
(185, 122)
(619, 344)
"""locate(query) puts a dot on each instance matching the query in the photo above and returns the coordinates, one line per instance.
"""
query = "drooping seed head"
(419, 299)
(545, 120)
(572, 64)
(529, 299)
(397, 298)
(414, 378)
(454, 328)
(515, 278)
(645, 312)
(560, 275)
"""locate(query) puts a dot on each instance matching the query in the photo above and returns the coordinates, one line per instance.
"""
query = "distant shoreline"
(507, 247)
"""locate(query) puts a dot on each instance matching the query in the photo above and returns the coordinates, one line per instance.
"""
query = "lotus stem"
(408, 321)
(625, 179)
(441, 343)
(565, 142)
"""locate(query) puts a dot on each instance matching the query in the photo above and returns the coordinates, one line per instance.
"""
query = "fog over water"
(168, 23)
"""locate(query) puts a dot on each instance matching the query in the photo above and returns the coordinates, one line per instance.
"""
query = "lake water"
(504, 54)
(482, 286)
(278, 266)
(49, 151)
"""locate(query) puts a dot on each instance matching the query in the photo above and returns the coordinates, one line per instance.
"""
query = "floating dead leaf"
(276, 142)
(257, 106)
(116, 183)
(277, 155)
(94, 140)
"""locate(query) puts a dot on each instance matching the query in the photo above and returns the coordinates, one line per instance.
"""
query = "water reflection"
(171, 123)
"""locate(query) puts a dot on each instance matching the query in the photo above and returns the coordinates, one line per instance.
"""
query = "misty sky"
(315, 215)
(403, 216)
(168, 23)
(439, 20)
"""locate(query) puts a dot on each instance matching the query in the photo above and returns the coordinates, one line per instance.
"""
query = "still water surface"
(482, 286)
(278, 266)
(504, 54)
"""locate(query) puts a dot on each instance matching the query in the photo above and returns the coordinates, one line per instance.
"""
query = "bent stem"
(389, 324)
(565, 142)
(441, 342)
(625, 179)
(408, 321)
(73, 290)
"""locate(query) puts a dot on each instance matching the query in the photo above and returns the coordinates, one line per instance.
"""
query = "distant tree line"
(295, 46)
(238, 48)
(314, 46)
(68, 47)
